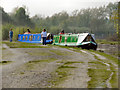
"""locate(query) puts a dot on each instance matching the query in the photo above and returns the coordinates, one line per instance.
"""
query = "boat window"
(69, 39)
(63, 39)
(75, 39)
(56, 39)
(88, 38)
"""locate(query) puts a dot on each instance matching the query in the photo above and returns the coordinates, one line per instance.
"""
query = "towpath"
(53, 67)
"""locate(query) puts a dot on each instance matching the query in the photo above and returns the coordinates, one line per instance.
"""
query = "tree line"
(92, 20)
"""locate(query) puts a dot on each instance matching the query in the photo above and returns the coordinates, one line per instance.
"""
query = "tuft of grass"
(71, 62)
(31, 64)
(98, 78)
(5, 62)
(47, 60)
(39, 53)
(61, 53)
(114, 80)
(61, 74)
(3, 48)
(63, 66)
(22, 73)
(62, 61)
(98, 65)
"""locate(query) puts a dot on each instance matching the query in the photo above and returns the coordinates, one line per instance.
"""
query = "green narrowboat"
(83, 40)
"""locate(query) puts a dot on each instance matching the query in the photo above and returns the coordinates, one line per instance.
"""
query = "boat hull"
(88, 46)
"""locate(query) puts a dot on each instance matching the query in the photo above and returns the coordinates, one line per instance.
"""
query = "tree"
(22, 18)
(5, 17)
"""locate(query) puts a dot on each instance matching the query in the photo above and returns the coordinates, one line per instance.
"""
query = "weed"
(22, 73)
(63, 66)
(47, 60)
(63, 53)
(71, 62)
(39, 53)
(31, 64)
(3, 48)
(5, 62)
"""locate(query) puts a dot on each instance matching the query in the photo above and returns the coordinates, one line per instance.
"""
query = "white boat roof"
(82, 36)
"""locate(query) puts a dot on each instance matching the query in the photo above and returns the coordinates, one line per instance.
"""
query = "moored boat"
(34, 38)
(83, 40)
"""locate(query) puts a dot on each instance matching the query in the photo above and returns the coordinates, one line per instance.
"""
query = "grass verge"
(24, 45)
(98, 78)
(109, 57)
(99, 74)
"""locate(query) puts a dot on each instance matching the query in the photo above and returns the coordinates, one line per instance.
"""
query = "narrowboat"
(34, 38)
(83, 40)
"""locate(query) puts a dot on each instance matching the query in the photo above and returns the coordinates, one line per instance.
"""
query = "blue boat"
(33, 38)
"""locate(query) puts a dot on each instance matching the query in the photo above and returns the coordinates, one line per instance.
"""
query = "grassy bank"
(104, 41)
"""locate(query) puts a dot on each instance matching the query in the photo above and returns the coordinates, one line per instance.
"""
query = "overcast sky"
(50, 7)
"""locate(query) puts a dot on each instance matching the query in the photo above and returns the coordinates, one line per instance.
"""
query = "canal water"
(109, 49)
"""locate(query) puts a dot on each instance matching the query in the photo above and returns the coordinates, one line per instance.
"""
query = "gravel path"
(21, 73)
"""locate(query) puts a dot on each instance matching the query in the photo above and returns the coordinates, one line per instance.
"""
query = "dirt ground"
(42, 67)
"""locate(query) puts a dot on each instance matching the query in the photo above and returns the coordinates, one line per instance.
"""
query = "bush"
(5, 31)
(16, 31)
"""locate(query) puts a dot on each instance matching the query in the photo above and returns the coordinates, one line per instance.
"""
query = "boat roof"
(81, 36)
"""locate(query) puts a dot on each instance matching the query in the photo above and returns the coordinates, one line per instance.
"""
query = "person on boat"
(28, 32)
(44, 35)
(10, 35)
(62, 32)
